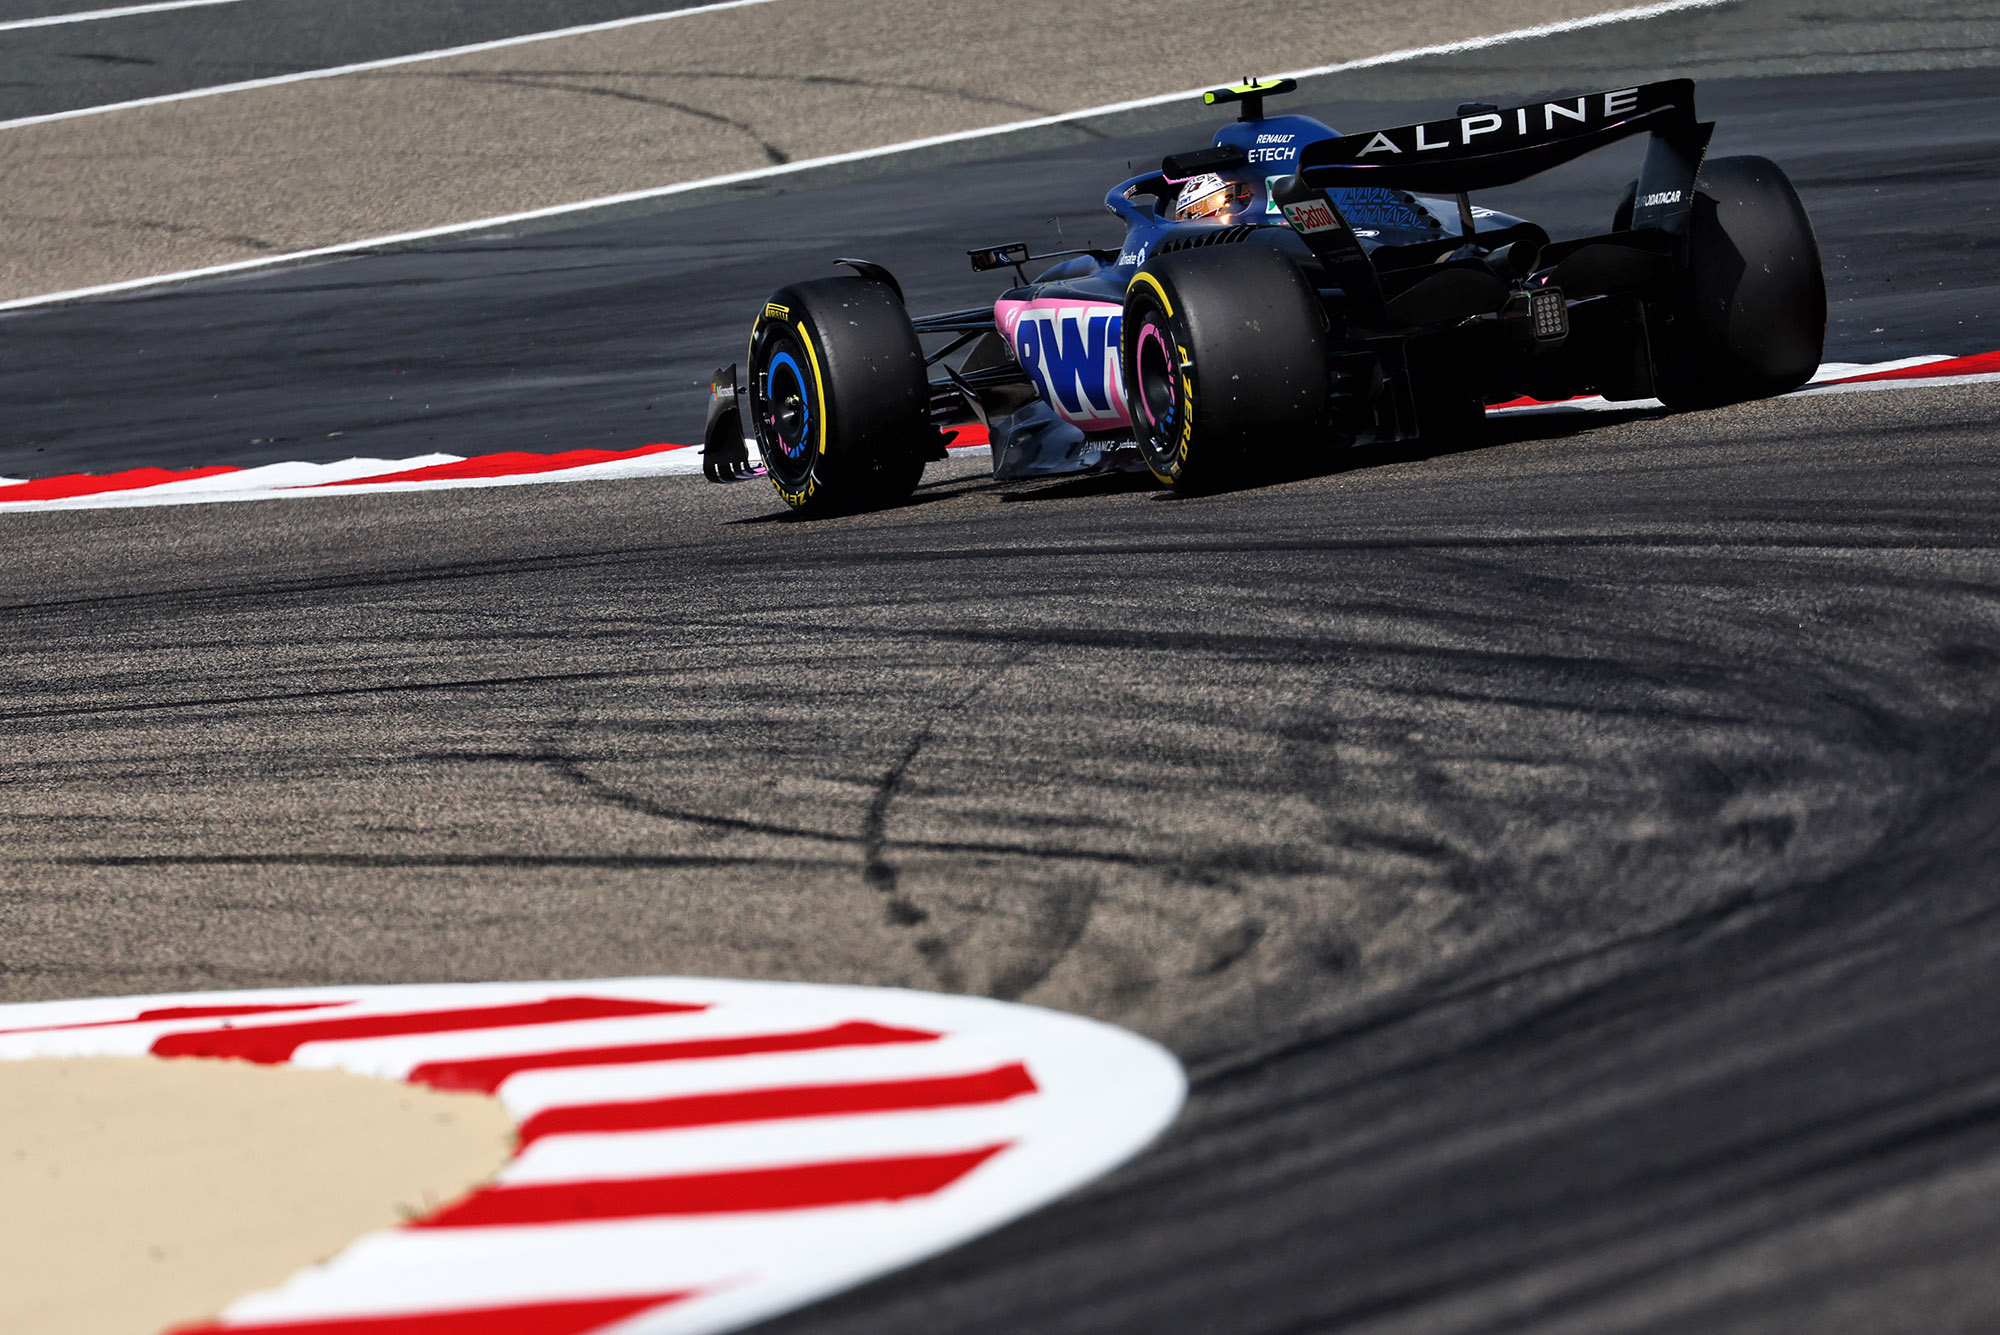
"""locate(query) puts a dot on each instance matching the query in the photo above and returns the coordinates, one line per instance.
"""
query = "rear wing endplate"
(1500, 147)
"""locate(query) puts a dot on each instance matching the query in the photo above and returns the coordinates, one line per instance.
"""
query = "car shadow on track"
(1512, 429)
(927, 493)
(1086, 484)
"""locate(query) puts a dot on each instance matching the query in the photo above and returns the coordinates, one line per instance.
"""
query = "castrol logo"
(1314, 215)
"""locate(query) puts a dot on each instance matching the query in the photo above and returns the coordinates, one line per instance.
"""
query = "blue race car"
(1289, 293)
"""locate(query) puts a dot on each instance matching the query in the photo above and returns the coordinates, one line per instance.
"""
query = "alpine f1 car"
(1289, 292)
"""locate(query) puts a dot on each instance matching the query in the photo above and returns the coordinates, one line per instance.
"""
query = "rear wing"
(1484, 147)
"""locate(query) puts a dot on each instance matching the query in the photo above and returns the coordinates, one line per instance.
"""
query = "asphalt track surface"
(65, 66)
(1566, 865)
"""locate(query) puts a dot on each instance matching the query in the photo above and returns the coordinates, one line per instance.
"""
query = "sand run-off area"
(138, 1194)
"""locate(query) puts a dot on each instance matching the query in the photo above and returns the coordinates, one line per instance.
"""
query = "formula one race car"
(1283, 295)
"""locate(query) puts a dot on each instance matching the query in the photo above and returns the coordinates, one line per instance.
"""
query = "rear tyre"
(838, 396)
(1225, 365)
(1749, 319)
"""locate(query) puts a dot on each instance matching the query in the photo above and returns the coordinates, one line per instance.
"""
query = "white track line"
(123, 11)
(387, 62)
(759, 173)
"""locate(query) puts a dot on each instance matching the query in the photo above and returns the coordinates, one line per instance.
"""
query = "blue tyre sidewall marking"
(786, 360)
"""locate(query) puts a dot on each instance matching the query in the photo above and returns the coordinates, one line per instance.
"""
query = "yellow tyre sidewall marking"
(1142, 276)
(819, 382)
(773, 311)
(1187, 402)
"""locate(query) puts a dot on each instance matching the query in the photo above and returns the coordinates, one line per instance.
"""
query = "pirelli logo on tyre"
(773, 311)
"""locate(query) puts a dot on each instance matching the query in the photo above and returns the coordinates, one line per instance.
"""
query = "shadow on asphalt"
(1510, 430)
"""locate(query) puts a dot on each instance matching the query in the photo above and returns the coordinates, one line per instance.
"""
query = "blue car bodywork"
(1063, 329)
(1431, 306)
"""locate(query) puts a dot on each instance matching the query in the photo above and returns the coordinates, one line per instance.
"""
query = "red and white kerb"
(1832, 378)
(1072, 354)
(694, 1154)
(135, 487)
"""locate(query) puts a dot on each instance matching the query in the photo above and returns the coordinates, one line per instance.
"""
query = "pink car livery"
(1069, 349)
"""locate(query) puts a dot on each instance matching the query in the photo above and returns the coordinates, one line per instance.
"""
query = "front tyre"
(1225, 365)
(839, 397)
(1749, 320)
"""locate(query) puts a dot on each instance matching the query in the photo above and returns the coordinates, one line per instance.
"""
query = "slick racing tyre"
(838, 396)
(1225, 365)
(1749, 319)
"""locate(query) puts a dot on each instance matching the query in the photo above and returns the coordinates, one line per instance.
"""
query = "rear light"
(1548, 314)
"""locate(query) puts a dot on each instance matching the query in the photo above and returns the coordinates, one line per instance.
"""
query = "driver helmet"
(1210, 197)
